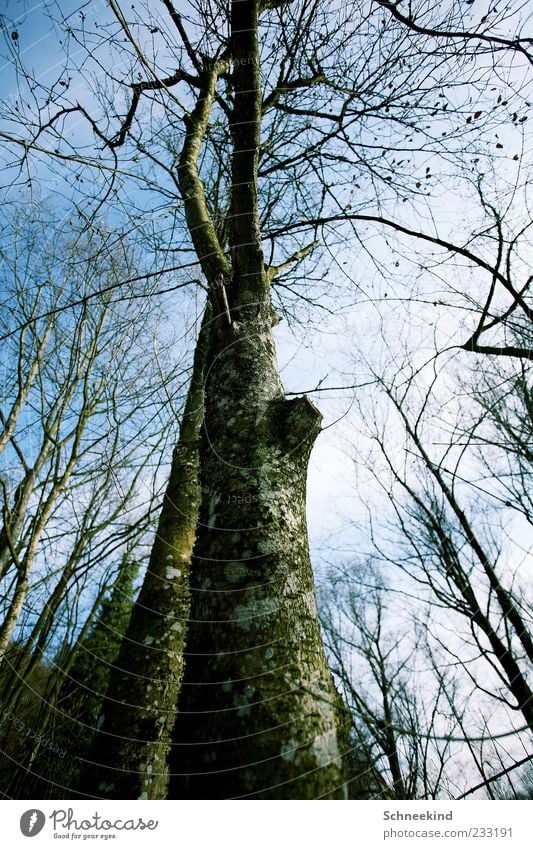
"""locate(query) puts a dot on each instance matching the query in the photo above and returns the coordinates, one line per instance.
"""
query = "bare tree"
(398, 721)
(445, 543)
(284, 127)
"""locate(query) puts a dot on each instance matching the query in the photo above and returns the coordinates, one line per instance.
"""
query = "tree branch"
(400, 228)
(500, 43)
(203, 232)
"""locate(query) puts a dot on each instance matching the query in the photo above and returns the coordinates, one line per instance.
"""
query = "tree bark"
(128, 756)
(259, 715)
(68, 719)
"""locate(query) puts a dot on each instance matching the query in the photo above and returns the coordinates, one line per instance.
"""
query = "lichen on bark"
(258, 715)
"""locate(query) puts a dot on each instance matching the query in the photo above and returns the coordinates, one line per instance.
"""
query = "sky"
(386, 310)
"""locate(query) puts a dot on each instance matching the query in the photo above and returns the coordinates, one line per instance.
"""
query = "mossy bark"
(128, 756)
(259, 715)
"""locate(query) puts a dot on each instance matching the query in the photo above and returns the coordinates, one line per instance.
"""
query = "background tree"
(397, 713)
(82, 449)
(451, 545)
(81, 681)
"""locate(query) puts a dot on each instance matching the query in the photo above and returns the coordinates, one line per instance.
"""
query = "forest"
(265, 400)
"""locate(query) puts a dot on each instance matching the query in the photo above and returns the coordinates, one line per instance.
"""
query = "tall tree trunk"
(128, 756)
(259, 715)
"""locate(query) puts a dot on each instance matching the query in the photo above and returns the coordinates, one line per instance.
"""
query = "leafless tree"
(82, 445)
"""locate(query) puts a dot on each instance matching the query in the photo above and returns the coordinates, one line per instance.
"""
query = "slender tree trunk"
(390, 745)
(259, 715)
(128, 756)
(13, 612)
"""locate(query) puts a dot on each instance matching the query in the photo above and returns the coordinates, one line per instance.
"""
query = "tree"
(292, 95)
(145, 703)
(399, 717)
(79, 438)
(81, 678)
(260, 729)
(453, 557)
(445, 533)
